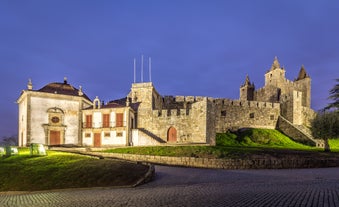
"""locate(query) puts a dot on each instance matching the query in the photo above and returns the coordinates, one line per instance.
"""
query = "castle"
(59, 114)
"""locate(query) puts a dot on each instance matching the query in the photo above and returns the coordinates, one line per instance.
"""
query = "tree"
(334, 95)
(9, 141)
(326, 126)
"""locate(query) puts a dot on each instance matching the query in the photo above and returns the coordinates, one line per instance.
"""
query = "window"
(105, 120)
(119, 119)
(251, 115)
(88, 123)
(119, 134)
(223, 113)
(55, 119)
(107, 134)
(271, 117)
(87, 135)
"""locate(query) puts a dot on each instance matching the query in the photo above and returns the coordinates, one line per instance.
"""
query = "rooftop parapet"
(253, 104)
(170, 112)
(142, 85)
(180, 98)
(190, 98)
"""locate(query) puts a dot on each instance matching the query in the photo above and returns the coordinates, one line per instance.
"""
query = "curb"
(148, 177)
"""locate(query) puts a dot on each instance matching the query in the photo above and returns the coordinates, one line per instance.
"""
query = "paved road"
(176, 186)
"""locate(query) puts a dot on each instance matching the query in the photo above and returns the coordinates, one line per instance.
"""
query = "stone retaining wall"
(259, 163)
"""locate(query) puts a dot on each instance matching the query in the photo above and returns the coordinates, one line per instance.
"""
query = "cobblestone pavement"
(175, 186)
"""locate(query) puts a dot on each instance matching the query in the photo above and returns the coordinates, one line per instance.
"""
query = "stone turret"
(303, 84)
(275, 64)
(302, 74)
(148, 99)
(247, 90)
(276, 75)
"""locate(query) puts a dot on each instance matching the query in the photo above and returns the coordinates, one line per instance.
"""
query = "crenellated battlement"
(252, 104)
(171, 113)
(190, 99)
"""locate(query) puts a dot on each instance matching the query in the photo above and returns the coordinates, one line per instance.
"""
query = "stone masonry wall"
(307, 115)
(157, 114)
(234, 114)
(259, 163)
(287, 128)
(189, 123)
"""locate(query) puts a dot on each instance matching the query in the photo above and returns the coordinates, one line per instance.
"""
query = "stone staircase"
(151, 135)
(298, 133)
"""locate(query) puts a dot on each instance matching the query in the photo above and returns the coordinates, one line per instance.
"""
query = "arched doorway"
(172, 134)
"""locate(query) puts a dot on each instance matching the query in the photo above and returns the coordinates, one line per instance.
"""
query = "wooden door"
(120, 119)
(54, 137)
(172, 135)
(97, 140)
(88, 121)
(105, 120)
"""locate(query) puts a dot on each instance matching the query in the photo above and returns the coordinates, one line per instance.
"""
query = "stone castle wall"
(157, 114)
(234, 114)
(190, 123)
(286, 162)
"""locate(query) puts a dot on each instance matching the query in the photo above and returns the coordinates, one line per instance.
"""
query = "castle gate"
(172, 135)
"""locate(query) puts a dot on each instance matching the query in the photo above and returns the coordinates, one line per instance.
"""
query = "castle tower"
(276, 75)
(303, 82)
(148, 99)
(247, 90)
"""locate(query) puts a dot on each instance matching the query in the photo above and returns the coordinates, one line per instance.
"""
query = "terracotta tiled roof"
(113, 105)
(119, 103)
(62, 88)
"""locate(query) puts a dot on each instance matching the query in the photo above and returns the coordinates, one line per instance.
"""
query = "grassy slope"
(334, 145)
(267, 138)
(248, 143)
(64, 170)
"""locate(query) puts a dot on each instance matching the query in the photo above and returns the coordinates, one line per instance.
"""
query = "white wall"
(39, 116)
(113, 139)
(87, 141)
(97, 119)
(22, 123)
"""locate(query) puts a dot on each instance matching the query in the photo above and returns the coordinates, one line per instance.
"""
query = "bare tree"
(9, 141)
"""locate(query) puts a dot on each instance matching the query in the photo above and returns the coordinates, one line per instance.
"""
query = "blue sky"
(203, 48)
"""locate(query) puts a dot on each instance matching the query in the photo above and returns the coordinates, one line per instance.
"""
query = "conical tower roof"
(302, 73)
(247, 82)
(275, 64)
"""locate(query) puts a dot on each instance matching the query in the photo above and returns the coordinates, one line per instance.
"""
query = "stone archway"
(171, 135)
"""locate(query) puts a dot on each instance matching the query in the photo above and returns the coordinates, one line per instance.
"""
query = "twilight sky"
(198, 47)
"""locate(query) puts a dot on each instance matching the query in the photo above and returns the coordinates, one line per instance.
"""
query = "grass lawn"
(334, 145)
(64, 170)
(245, 144)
